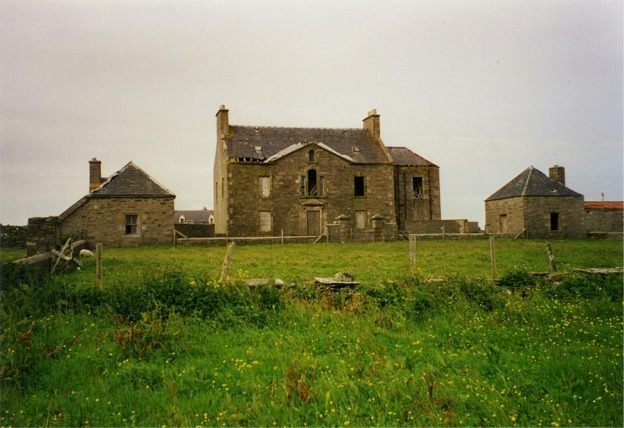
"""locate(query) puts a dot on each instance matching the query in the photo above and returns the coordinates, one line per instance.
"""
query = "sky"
(483, 89)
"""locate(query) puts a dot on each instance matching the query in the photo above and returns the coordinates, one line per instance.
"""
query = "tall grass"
(171, 346)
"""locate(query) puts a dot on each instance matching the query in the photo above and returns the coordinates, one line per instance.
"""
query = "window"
(265, 186)
(132, 222)
(311, 156)
(358, 186)
(360, 219)
(312, 190)
(554, 221)
(417, 187)
(502, 223)
(265, 221)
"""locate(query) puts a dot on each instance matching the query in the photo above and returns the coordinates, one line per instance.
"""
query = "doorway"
(314, 222)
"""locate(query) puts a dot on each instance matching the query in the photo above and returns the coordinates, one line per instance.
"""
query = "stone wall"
(604, 220)
(195, 230)
(290, 210)
(43, 234)
(412, 209)
(571, 213)
(512, 208)
(102, 220)
(13, 236)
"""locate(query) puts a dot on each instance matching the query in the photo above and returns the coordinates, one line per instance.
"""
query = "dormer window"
(355, 149)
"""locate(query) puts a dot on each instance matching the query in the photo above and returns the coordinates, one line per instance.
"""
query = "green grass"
(462, 352)
(370, 263)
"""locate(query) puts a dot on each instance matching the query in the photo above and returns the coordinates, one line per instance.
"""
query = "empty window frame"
(266, 221)
(311, 184)
(265, 186)
(359, 186)
(132, 224)
(554, 221)
(417, 187)
(360, 219)
(311, 156)
(312, 189)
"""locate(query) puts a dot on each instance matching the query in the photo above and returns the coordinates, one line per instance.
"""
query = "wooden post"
(282, 236)
(226, 261)
(551, 258)
(412, 251)
(98, 264)
(493, 257)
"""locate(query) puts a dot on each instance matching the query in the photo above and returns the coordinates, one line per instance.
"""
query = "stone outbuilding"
(535, 205)
(317, 181)
(128, 208)
(604, 218)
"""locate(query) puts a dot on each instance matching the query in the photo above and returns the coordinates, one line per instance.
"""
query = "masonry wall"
(413, 210)
(604, 220)
(513, 208)
(289, 210)
(571, 213)
(102, 220)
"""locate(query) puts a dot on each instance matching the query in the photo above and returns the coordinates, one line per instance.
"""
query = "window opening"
(358, 186)
(265, 186)
(311, 156)
(265, 221)
(132, 221)
(311, 185)
(554, 221)
(417, 187)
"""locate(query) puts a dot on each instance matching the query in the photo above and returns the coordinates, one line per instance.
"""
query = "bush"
(517, 279)
(483, 293)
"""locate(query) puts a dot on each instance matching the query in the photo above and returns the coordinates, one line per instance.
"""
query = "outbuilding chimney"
(223, 123)
(95, 174)
(557, 173)
(371, 124)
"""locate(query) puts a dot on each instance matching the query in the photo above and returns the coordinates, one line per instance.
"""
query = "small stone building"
(128, 208)
(604, 217)
(317, 181)
(535, 205)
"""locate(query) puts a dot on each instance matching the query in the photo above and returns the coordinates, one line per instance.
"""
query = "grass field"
(163, 344)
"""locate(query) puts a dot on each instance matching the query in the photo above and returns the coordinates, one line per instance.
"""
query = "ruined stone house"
(344, 183)
(128, 208)
(604, 217)
(535, 205)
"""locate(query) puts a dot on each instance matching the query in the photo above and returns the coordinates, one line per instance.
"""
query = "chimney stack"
(95, 174)
(223, 123)
(557, 173)
(371, 124)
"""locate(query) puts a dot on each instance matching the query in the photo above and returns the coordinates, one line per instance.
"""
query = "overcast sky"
(483, 89)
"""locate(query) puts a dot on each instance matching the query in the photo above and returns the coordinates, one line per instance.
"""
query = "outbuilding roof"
(402, 156)
(532, 182)
(130, 181)
(604, 205)
(261, 143)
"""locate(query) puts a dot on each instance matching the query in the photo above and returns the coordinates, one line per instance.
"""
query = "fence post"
(412, 251)
(282, 236)
(226, 261)
(98, 264)
(493, 257)
(551, 258)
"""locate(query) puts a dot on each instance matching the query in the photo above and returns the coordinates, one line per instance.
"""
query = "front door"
(314, 223)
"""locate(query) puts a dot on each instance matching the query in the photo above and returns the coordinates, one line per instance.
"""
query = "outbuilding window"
(132, 224)
(358, 186)
(554, 221)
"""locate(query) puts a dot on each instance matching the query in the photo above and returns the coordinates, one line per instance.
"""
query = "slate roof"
(258, 144)
(532, 182)
(129, 181)
(194, 216)
(402, 156)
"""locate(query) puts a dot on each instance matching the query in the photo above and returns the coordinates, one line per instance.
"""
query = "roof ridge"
(296, 127)
(526, 183)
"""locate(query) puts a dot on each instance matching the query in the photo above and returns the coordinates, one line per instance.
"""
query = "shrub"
(517, 279)
(483, 293)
